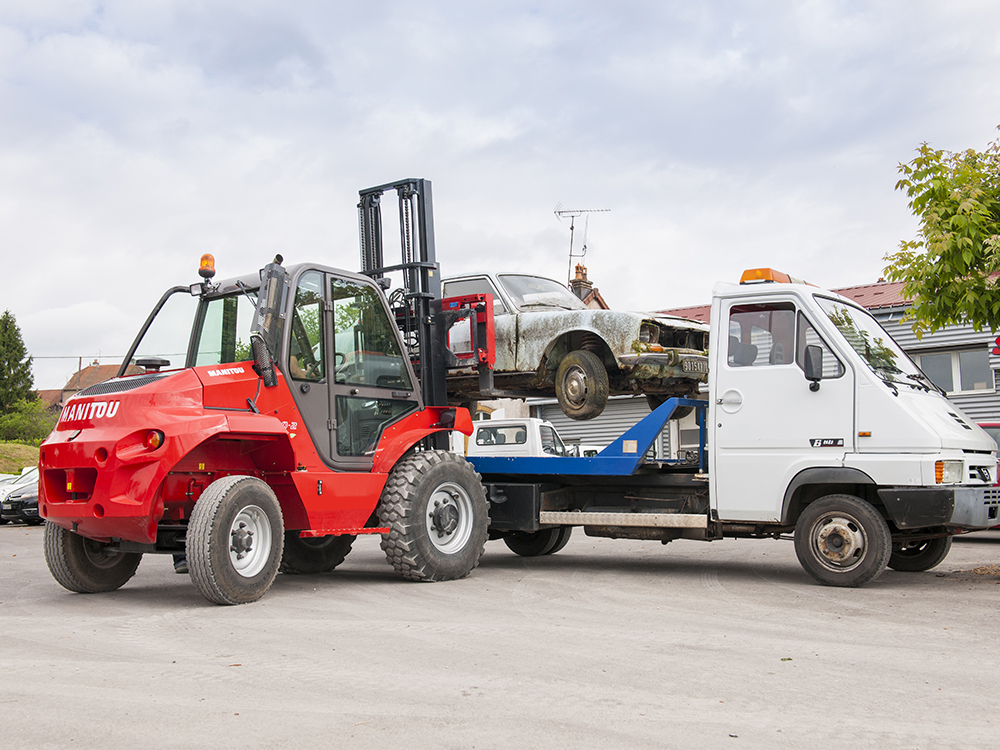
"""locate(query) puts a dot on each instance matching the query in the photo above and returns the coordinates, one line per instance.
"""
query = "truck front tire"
(235, 540)
(314, 554)
(841, 540)
(435, 507)
(916, 557)
(582, 385)
(85, 566)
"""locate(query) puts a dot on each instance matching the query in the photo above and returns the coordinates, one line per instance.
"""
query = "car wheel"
(841, 540)
(916, 557)
(582, 385)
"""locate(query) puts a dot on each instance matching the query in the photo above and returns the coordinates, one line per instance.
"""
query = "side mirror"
(813, 366)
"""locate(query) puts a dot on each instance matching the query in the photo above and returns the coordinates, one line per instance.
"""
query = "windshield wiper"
(554, 305)
(927, 383)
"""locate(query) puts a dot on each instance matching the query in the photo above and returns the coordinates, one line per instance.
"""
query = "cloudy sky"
(136, 135)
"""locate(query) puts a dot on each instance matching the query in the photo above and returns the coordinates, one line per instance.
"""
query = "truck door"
(346, 368)
(767, 424)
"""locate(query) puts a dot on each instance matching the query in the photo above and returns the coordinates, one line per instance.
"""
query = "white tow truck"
(817, 425)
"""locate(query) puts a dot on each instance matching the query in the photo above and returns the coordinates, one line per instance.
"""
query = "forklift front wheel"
(841, 540)
(234, 540)
(435, 507)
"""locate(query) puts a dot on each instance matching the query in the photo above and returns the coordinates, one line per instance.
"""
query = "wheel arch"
(586, 339)
(811, 484)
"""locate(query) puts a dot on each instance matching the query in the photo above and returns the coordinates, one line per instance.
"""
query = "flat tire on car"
(85, 566)
(435, 507)
(582, 385)
(841, 540)
(235, 540)
(916, 557)
(314, 554)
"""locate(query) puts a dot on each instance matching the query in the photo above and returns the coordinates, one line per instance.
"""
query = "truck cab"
(528, 436)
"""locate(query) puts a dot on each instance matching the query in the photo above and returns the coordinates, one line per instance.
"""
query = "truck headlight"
(948, 472)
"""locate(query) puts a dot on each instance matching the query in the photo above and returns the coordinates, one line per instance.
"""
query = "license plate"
(6, 506)
(695, 365)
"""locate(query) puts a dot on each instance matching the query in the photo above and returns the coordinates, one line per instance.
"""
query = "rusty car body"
(547, 340)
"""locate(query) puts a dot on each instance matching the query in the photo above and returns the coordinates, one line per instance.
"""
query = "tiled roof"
(871, 296)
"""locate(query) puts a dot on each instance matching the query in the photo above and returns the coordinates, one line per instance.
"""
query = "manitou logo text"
(226, 371)
(91, 410)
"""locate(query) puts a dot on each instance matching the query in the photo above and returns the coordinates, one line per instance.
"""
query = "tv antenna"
(561, 212)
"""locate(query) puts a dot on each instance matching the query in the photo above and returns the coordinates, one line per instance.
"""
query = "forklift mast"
(417, 305)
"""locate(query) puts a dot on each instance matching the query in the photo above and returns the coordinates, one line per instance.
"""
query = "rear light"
(948, 472)
(154, 439)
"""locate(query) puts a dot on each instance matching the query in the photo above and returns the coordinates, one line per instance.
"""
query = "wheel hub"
(444, 518)
(449, 518)
(242, 540)
(575, 385)
(840, 541)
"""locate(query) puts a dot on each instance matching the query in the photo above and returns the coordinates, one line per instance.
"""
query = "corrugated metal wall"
(621, 413)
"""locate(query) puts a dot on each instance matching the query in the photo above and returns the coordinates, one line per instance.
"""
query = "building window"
(959, 372)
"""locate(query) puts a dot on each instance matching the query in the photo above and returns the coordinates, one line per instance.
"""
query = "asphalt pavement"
(608, 644)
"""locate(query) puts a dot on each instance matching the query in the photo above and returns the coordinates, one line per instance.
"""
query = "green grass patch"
(15, 456)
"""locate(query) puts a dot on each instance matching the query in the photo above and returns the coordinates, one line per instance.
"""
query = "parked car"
(27, 477)
(22, 505)
(548, 340)
(527, 436)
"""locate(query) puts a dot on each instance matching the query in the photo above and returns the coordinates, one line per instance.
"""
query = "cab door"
(346, 368)
(767, 423)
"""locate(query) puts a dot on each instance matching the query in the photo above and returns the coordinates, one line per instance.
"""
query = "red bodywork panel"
(101, 479)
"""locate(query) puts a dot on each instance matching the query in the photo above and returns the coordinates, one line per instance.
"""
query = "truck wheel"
(916, 557)
(842, 541)
(85, 566)
(234, 540)
(582, 385)
(535, 543)
(435, 507)
(314, 554)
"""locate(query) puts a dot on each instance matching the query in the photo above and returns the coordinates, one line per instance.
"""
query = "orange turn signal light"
(154, 439)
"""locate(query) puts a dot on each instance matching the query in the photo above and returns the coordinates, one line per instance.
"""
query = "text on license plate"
(694, 365)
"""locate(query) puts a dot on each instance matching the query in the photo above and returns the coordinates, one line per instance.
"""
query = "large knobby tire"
(234, 540)
(85, 566)
(535, 543)
(582, 385)
(916, 557)
(435, 507)
(314, 554)
(841, 540)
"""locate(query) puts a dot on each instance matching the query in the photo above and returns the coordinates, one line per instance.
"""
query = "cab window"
(366, 347)
(305, 359)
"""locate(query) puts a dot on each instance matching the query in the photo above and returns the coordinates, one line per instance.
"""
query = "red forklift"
(274, 453)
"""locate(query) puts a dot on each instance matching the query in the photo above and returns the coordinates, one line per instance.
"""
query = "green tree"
(15, 365)
(950, 269)
(27, 421)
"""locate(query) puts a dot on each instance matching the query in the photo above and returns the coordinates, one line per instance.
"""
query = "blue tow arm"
(622, 458)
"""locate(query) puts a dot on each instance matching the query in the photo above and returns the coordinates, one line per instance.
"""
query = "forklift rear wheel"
(916, 557)
(535, 543)
(582, 385)
(85, 566)
(234, 540)
(314, 554)
(841, 540)
(435, 507)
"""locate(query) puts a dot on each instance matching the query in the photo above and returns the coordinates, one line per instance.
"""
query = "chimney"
(580, 286)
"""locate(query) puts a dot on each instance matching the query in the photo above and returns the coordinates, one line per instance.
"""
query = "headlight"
(649, 333)
(948, 472)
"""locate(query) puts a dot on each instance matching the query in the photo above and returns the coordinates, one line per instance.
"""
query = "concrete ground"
(608, 644)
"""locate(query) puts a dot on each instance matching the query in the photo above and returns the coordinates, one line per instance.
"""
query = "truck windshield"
(534, 291)
(866, 336)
